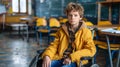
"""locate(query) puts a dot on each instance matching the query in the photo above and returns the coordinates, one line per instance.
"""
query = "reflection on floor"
(16, 52)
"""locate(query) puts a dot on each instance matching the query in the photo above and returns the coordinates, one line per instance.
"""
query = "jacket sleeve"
(52, 49)
(88, 47)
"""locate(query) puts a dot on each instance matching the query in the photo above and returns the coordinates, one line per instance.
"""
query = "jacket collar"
(64, 27)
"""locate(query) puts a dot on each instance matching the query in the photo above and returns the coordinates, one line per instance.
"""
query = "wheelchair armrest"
(36, 58)
(86, 58)
(83, 58)
(39, 52)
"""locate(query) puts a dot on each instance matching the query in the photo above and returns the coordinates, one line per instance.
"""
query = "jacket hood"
(64, 26)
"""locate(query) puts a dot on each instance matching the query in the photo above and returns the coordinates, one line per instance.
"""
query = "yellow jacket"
(83, 44)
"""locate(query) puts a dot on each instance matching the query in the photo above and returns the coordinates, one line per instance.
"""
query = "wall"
(55, 8)
(50, 7)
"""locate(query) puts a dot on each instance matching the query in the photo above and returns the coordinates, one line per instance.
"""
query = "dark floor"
(16, 52)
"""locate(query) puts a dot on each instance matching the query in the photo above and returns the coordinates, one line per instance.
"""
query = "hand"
(46, 61)
(67, 61)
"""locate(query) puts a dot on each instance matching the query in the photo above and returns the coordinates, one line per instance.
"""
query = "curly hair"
(74, 7)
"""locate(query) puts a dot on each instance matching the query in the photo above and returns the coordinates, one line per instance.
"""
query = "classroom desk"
(2, 20)
(29, 21)
(103, 26)
(107, 34)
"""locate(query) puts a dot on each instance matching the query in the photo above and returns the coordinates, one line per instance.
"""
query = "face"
(74, 17)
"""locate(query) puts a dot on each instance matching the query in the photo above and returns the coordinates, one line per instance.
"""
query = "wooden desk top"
(109, 33)
(27, 19)
(1, 19)
(108, 2)
(104, 26)
(100, 28)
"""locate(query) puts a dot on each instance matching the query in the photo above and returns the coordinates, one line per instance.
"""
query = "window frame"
(25, 13)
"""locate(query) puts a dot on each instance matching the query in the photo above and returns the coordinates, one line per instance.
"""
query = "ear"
(80, 18)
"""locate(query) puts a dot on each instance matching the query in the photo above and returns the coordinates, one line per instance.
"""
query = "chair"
(41, 27)
(84, 19)
(54, 24)
(37, 60)
(118, 28)
(104, 23)
(62, 20)
(88, 23)
(100, 40)
(101, 23)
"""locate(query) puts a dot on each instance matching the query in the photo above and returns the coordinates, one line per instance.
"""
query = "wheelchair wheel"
(95, 65)
(33, 63)
(39, 63)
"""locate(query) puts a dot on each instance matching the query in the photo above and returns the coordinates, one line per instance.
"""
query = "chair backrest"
(101, 23)
(118, 28)
(63, 20)
(84, 19)
(53, 22)
(41, 22)
(88, 23)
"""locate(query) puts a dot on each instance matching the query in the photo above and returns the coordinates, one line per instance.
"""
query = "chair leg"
(19, 33)
(40, 38)
(118, 60)
(37, 38)
(48, 38)
(106, 56)
(94, 59)
(27, 33)
(113, 53)
(36, 34)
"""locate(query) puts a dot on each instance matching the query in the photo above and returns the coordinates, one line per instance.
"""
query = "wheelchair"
(37, 61)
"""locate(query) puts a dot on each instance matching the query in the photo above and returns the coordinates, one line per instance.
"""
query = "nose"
(72, 17)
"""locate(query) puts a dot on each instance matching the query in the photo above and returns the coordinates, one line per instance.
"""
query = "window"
(20, 6)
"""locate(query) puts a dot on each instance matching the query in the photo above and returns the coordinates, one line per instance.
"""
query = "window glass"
(15, 5)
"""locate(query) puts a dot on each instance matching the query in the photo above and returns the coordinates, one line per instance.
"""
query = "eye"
(70, 15)
(75, 15)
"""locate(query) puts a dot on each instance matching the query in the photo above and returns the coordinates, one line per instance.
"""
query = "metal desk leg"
(27, 32)
(3, 21)
(109, 51)
(118, 60)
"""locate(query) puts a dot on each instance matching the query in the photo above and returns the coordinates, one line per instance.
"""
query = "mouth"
(72, 21)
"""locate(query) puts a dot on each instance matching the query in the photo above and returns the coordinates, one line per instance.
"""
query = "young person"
(73, 41)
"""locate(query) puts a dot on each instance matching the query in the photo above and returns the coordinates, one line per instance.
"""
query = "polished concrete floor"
(15, 51)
